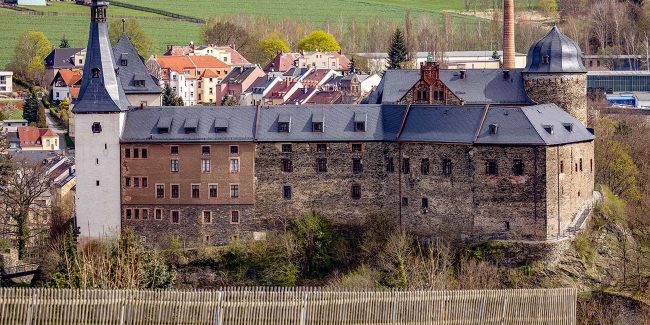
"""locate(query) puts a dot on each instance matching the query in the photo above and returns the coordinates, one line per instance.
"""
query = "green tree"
(397, 53)
(318, 40)
(136, 34)
(315, 238)
(41, 120)
(29, 55)
(548, 6)
(169, 98)
(30, 107)
(64, 44)
(617, 169)
(229, 101)
(272, 43)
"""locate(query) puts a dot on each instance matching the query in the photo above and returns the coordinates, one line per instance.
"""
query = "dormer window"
(360, 122)
(95, 73)
(317, 126)
(284, 123)
(164, 124)
(124, 59)
(138, 83)
(568, 126)
(317, 122)
(221, 125)
(548, 129)
(97, 127)
(494, 128)
(191, 124)
(546, 59)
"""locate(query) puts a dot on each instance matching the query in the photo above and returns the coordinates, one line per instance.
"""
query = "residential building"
(12, 125)
(317, 77)
(615, 62)
(63, 58)
(66, 84)
(6, 82)
(304, 59)
(378, 62)
(27, 2)
(281, 92)
(32, 138)
(237, 81)
(227, 54)
(140, 87)
(254, 95)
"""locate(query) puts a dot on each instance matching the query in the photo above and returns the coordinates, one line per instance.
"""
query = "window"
(321, 147)
(424, 166)
(317, 127)
(205, 165)
(357, 147)
(321, 165)
(580, 164)
(160, 191)
(561, 166)
(136, 153)
(145, 214)
(491, 167)
(360, 126)
(127, 181)
(546, 59)
(127, 153)
(95, 73)
(406, 166)
(128, 214)
(286, 165)
(205, 150)
(136, 182)
(173, 150)
(405, 201)
(174, 166)
(234, 216)
(234, 150)
(234, 165)
(518, 167)
(591, 165)
(175, 191)
(97, 182)
(124, 62)
(97, 127)
(158, 214)
(357, 166)
(176, 217)
(212, 189)
(234, 191)
(196, 191)
(390, 165)
(356, 192)
(286, 192)
(136, 214)
(425, 203)
(207, 217)
(283, 127)
(145, 182)
(286, 148)
(446, 167)
(438, 95)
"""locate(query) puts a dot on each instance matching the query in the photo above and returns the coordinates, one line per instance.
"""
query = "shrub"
(583, 246)
(314, 236)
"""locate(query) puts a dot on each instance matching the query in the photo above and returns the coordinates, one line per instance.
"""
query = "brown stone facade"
(434, 190)
(188, 178)
(568, 91)
(430, 89)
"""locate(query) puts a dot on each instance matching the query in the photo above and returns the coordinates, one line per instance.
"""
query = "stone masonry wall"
(567, 91)
(570, 183)
(329, 193)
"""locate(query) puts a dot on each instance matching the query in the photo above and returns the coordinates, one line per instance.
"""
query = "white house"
(6, 82)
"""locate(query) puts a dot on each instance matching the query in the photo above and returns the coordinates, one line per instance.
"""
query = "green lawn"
(72, 8)
(75, 28)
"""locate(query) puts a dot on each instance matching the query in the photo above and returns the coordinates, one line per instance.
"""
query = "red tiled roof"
(30, 136)
(209, 74)
(280, 88)
(325, 97)
(235, 57)
(317, 75)
(207, 61)
(70, 76)
(300, 95)
(181, 62)
(281, 62)
(74, 93)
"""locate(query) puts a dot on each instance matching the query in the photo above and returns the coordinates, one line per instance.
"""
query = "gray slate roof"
(422, 123)
(60, 58)
(563, 53)
(479, 87)
(238, 74)
(134, 70)
(105, 93)
(142, 124)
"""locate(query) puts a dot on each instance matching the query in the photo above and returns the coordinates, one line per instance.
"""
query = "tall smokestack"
(508, 34)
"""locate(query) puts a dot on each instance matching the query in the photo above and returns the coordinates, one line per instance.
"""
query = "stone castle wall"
(568, 91)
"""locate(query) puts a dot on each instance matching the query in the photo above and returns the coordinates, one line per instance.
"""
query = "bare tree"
(20, 195)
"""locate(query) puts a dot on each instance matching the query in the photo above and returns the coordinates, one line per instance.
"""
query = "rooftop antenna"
(123, 25)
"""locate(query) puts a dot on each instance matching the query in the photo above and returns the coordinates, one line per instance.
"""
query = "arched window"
(95, 73)
(546, 59)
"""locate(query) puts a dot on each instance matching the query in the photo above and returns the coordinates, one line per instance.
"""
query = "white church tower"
(99, 115)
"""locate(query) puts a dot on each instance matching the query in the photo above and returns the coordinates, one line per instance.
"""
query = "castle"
(489, 154)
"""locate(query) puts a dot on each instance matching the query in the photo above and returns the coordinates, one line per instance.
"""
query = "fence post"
(217, 311)
(303, 311)
(30, 309)
(482, 313)
(503, 312)
(122, 313)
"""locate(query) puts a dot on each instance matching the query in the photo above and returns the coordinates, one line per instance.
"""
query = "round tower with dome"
(555, 73)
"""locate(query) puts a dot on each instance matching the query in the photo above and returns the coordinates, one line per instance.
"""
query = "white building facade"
(6, 82)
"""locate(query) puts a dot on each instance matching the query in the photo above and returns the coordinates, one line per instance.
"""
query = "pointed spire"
(100, 90)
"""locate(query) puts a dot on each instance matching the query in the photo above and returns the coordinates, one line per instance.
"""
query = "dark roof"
(338, 123)
(564, 55)
(262, 82)
(479, 86)
(134, 69)
(142, 124)
(238, 74)
(105, 93)
(454, 124)
(60, 58)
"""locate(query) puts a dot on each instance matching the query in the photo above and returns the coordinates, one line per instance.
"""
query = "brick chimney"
(508, 34)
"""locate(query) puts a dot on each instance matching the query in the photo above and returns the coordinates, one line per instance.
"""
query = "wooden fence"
(286, 306)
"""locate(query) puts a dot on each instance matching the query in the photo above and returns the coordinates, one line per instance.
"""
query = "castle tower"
(99, 119)
(555, 74)
(508, 34)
